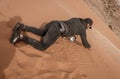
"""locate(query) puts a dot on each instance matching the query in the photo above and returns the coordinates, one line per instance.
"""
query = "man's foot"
(16, 33)
(18, 27)
(16, 37)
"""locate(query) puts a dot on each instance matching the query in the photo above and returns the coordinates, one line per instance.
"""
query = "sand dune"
(64, 59)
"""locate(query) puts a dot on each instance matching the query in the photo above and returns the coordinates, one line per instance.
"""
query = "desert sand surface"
(64, 59)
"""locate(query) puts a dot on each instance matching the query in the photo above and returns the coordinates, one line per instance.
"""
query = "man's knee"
(42, 46)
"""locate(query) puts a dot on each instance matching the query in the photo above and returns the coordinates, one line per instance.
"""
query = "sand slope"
(64, 59)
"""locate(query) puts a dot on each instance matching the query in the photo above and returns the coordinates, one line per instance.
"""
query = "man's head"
(89, 22)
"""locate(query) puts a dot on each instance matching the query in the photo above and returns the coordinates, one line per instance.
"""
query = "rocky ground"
(109, 10)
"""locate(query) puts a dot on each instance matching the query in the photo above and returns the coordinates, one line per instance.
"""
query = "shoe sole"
(14, 38)
(16, 27)
(15, 33)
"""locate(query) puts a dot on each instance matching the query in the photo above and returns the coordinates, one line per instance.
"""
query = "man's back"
(75, 26)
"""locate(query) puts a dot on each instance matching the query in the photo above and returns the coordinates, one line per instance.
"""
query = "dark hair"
(89, 21)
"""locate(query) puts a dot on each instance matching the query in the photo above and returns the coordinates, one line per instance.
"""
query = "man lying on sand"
(52, 31)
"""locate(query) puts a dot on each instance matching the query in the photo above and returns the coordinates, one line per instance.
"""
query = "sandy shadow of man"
(7, 51)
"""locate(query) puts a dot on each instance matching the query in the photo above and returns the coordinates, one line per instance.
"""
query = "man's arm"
(84, 40)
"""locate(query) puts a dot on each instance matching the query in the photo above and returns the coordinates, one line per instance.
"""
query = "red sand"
(64, 59)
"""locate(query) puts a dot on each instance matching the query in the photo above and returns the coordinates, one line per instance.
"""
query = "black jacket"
(77, 26)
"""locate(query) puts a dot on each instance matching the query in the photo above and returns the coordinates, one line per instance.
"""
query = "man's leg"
(34, 30)
(19, 27)
(50, 37)
(40, 32)
(34, 43)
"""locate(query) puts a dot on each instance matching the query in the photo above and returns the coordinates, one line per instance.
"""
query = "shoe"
(15, 37)
(16, 31)
(18, 27)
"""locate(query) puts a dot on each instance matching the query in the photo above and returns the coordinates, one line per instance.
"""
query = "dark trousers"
(49, 33)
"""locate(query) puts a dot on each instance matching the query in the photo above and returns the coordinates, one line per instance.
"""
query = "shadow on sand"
(7, 51)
